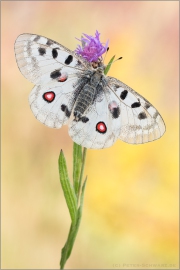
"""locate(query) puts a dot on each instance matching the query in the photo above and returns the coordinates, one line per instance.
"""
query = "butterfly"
(71, 91)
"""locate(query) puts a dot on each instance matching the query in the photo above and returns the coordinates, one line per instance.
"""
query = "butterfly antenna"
(105, 54)
(117, 59)
(114, 61)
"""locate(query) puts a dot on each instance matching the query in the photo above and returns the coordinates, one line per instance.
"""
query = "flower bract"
(91, 48)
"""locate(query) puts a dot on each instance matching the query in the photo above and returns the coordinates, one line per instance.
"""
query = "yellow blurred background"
(130, 214)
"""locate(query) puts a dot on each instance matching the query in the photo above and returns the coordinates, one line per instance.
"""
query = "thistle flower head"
(91, 48)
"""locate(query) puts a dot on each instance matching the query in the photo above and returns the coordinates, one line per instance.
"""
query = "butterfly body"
(70, 90)
(90, 91)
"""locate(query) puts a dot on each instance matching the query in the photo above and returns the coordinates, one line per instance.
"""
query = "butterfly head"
(98, 65)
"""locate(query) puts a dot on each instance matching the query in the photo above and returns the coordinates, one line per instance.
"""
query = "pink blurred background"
(130, 215)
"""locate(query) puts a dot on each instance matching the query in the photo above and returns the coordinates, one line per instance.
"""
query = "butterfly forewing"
(41, 60)
(140, 121)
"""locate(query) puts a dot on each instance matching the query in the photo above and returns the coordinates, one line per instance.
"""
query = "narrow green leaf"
(109, 65)
(77, 160)
(68, 190)
(76, 227)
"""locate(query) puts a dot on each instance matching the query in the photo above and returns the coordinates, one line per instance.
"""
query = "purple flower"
(92, 48)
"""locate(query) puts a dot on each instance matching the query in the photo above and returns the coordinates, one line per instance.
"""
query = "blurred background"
(130, 215)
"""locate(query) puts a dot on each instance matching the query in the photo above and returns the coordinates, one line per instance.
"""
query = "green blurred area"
(130, 215)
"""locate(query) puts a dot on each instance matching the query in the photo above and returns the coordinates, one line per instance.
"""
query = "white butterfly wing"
(97, 130)
(54, 69)
(140, 121)
(52, 103)
(121, 113)
(40, 59)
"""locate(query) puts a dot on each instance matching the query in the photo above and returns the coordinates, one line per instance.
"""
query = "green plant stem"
(68, 246)
(66, 251)
(77, 163)
(82, 171)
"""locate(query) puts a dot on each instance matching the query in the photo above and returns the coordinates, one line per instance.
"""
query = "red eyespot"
(49, 96)
(112, 105)
(101, 127)
(63, 77)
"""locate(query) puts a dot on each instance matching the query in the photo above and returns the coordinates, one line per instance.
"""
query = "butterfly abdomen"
(88, 93)
(84, 100)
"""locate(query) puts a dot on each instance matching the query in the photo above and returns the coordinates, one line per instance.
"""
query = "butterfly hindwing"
(94, 130)
(52, 103)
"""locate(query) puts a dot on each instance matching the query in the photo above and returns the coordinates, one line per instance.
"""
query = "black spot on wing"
(115, 112)
(67, 112)
(54, 53)
(116, 86)
(135, 105)
(49, 42)
(68, 60)
(42, 51)
(55, 74)
(84, 119)
(36, 38)
(147, 106)
(64, 108)
(142, 115)
(123, 94)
